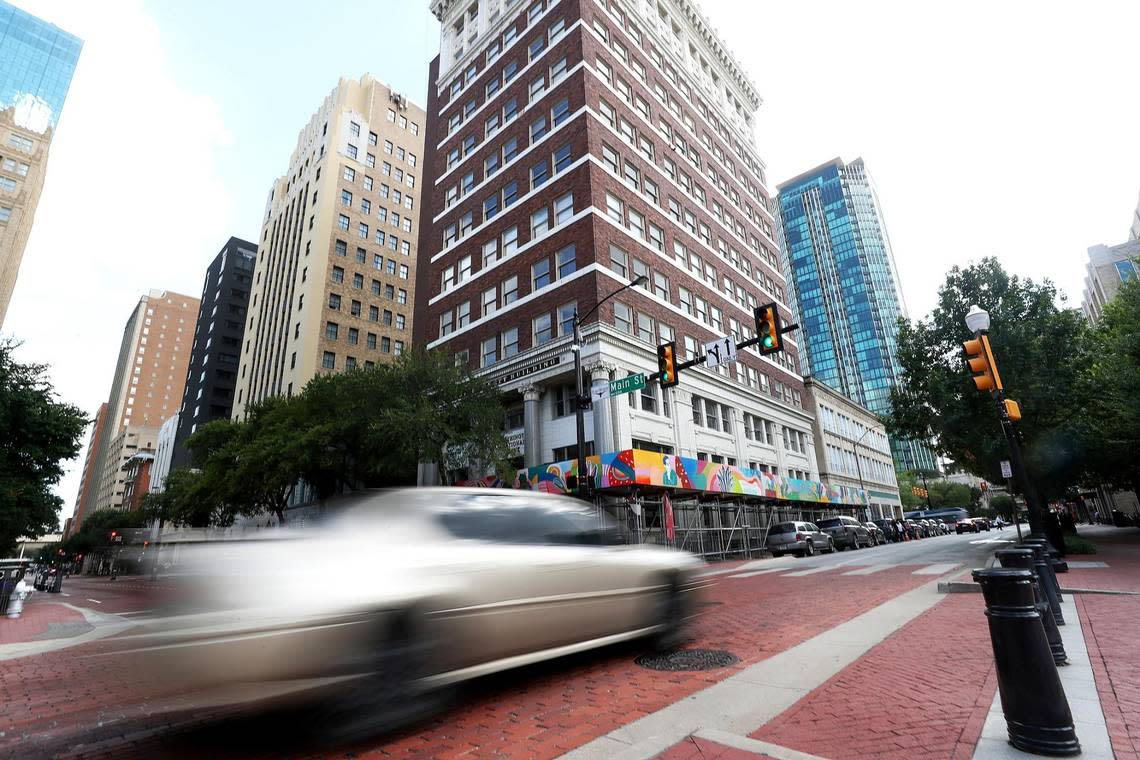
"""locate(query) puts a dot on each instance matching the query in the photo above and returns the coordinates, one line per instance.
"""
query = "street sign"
(720, 351)
(627, 384)
(1006, 471)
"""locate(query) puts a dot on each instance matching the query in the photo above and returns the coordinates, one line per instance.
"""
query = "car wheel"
(855, 541)
(809, 550)
(830, 546)
(671, 619)
(386, 694)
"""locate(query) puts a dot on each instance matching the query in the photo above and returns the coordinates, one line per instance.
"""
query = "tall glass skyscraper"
(844, 285)
(37, 60)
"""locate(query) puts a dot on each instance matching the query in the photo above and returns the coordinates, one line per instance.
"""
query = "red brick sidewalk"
(1110, 625)
(1119, 548)
(696, 748)
(42, 619)
(922, 692)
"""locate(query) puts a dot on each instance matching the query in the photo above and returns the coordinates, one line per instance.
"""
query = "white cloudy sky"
(1003, 128)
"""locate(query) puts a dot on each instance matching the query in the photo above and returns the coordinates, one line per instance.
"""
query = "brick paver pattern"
(1110, 625)
(538, 712)
(923, 692)
(42, 619)
(696, 748)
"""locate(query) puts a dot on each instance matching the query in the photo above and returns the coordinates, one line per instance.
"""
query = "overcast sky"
(989, 128)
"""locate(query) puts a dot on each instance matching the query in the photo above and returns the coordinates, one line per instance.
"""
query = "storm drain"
(688, 659)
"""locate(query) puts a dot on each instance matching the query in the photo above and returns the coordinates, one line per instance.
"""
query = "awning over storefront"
(636, 467)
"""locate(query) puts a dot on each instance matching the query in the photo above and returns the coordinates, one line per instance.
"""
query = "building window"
(563, 208)
(490, 351)
(623, 317)
(542, 330)
(540, 274)
(567, 261)
(328, 361)
(331, 330)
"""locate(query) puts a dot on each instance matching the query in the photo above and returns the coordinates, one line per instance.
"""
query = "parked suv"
(845, 532)
(800, 538)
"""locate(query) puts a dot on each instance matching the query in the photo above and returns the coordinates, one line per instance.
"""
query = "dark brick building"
(212, 375)
(573, 145)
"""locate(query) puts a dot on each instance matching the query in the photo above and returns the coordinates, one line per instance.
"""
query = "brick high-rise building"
(37, 60)
(575, 145)
(146, 390)
(87, 483)
(336, 260)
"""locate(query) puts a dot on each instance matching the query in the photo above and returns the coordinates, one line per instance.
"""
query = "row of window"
(386, 192)
(356, 309)
(358, 282)
(469, 22)
(542, 221)
(842, 424)
(352, 335)
(12, 166)
(387, 346)
(509, 70)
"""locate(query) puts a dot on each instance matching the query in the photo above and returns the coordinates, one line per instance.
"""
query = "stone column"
(532, 427)
(603, 409)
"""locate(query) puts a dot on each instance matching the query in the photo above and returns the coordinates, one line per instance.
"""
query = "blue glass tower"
(844, 286)
(37, 60)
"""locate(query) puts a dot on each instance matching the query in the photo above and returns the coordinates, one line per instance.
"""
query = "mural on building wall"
(619, 469)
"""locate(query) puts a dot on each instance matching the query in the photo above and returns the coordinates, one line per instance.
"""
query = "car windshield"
(830, 522)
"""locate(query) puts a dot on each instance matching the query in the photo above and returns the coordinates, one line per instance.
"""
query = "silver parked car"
(845, 532)
(408, 591)
(800, 538)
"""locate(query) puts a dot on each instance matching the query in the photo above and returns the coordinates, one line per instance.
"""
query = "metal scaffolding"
(714, 527)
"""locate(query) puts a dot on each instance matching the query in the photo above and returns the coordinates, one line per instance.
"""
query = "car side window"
(514, 520)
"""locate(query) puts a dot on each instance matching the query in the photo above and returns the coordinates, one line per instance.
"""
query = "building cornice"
(710, 37)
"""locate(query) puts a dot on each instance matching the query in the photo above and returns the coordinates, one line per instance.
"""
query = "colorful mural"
(620, 469)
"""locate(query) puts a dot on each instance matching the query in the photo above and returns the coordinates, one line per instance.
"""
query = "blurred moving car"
(968, 525)
(800, 538)
(845, 532)
(877, 534)
(433, 586)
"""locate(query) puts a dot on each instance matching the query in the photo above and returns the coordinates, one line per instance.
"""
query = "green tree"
(365, 428)
(1004, 505)
(945, 495)
(1112, 417)
(37, 434)
(907, 481)
(1041, 351)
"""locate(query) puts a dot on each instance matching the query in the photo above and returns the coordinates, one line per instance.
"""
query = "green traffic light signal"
(768, 342)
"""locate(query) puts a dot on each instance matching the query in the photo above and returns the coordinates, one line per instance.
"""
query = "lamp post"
(859, 468)
(580, 399)
(978, 321)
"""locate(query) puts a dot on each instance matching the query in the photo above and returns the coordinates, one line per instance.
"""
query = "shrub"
(1076, 545)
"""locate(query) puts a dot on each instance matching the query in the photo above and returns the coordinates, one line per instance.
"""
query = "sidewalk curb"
(105, 624)
(962, 587)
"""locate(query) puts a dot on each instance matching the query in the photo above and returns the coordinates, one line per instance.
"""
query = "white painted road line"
(759, 572)
(870, 570)
(936, 569)
(823, 569)
(64, 593)
(94, 600)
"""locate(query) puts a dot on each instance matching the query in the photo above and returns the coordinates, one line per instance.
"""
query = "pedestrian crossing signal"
(667, 364)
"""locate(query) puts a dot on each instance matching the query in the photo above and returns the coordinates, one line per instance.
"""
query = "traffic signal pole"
(1036, 527)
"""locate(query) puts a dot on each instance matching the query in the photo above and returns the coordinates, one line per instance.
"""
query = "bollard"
(1023, 559)
(1036, 710)
(1045, 572)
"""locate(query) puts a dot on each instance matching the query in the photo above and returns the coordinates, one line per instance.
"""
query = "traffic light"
(114, 534)
(982, 364)
(1012, 409)
(768, 328)
(667, 364)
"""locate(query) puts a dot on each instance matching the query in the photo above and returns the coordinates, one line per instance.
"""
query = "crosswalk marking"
(936, 569)
(870, 570)
(759, 572)
(814, 570)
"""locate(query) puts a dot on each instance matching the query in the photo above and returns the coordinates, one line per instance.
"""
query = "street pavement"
(848, 655)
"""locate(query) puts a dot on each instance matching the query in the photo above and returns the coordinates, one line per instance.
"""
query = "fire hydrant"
(16, 603)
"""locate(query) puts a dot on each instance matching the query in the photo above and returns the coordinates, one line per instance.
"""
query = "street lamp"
(978, 321)
(579, 397)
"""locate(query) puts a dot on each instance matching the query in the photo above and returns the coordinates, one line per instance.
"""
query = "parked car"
(800, 538)
(845, 532)
(434, 586)
(967, 525)
(877, 534)
(983, 523)
(890, 532)
(912, 528)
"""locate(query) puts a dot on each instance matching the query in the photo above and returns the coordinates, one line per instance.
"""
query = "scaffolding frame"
(715, 527)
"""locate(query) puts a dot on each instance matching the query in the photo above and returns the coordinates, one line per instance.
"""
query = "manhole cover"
(688, 659)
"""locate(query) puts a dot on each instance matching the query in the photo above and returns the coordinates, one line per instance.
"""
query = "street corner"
(43, 618)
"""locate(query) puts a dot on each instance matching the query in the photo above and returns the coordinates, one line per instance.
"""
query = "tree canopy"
(37, 434)
(363, 428)
(1042, 352)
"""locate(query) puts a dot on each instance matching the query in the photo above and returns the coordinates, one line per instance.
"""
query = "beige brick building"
(23, 163)
(334, 281)
(145, 390)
